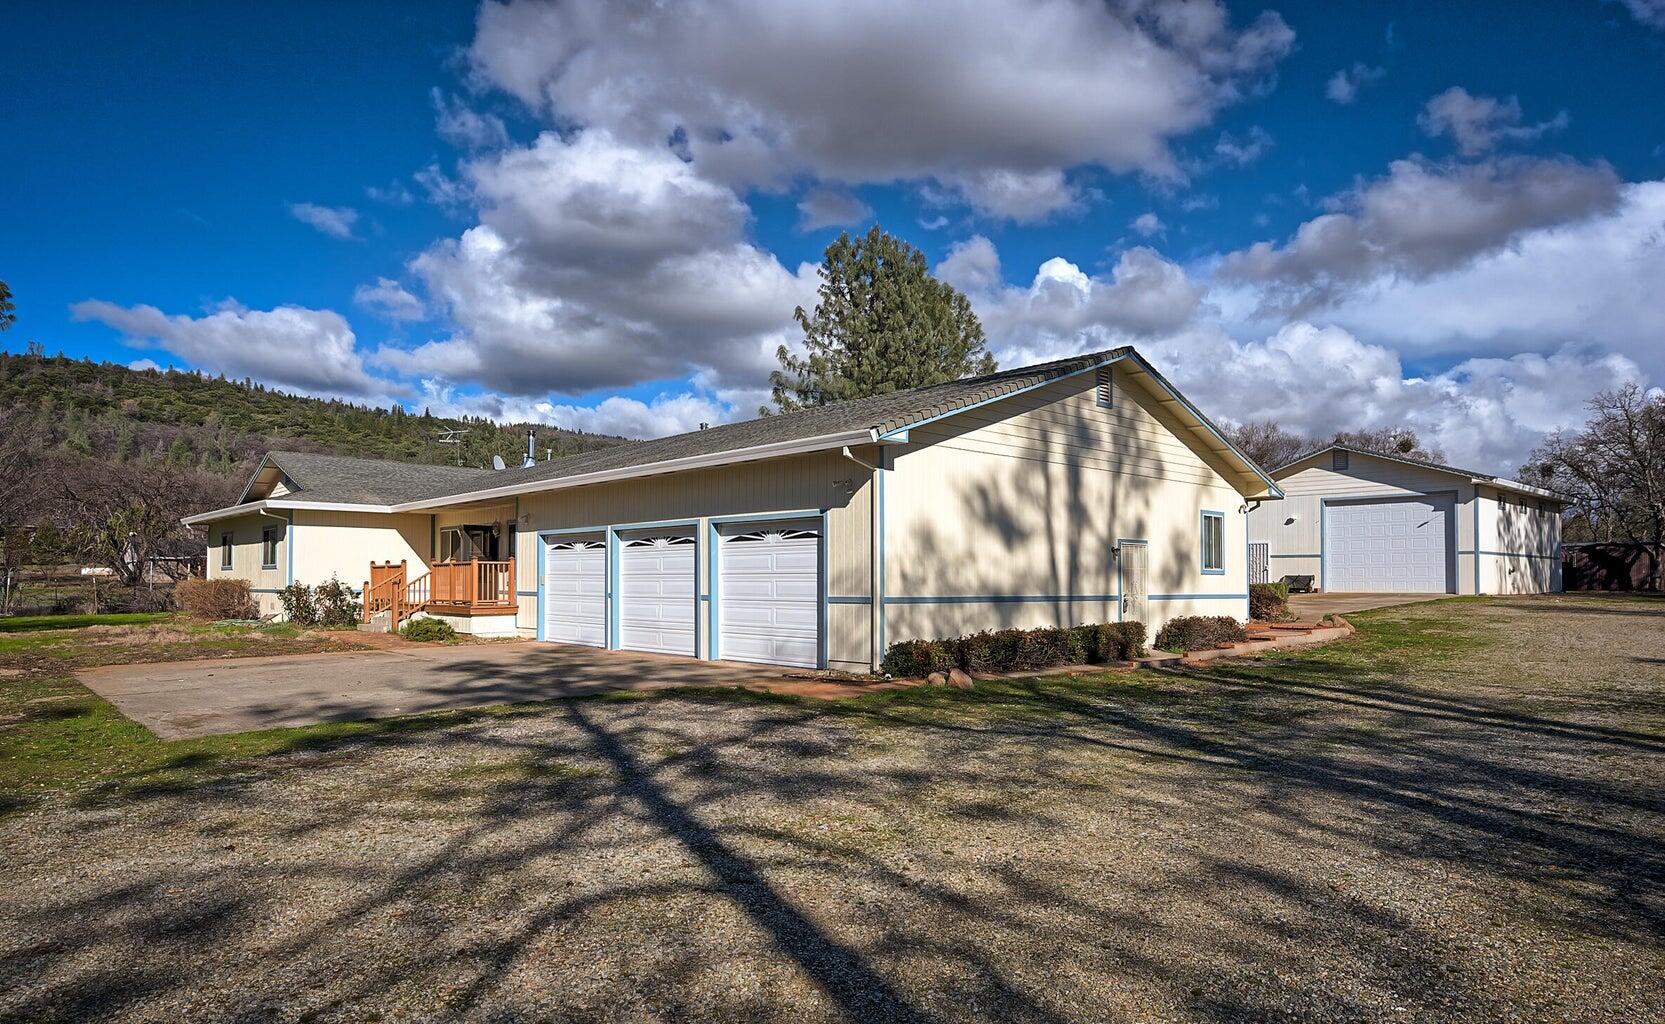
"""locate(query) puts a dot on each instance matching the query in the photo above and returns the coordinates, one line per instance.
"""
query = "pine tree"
(882, 323)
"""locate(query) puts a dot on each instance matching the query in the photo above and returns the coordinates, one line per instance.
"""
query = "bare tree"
(1613, 470)
(1269, 444)
(1400, 441)
(121, 516)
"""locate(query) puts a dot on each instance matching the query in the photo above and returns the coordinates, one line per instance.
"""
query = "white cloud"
(390, 298)
(1419, 220)
(1649, 12)
(1343, 86)
(1593, 281)
(625, 417)
(461, 125)
(598, 263)
(1057, 84)
(397, 193)
(1147, 224)
(830, 207)
(1065, 308)
(144, 364)
(1245, 151)
(312, 350)
(1478, 123)
(335, 221)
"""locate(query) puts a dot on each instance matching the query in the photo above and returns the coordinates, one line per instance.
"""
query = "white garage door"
(656, 592)
(769, 593)
(575, 592)
(1395, 546)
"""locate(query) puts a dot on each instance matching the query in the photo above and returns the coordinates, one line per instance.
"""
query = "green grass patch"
(32, 623)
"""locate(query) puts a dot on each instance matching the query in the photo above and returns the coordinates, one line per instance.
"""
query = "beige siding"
(1523, 555)
(246, 557)
(803, 483)
(1026, 499)
(1292, 528)
(343, 544)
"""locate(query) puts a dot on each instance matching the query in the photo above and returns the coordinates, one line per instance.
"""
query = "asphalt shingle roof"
(341, 478)
(881, 412)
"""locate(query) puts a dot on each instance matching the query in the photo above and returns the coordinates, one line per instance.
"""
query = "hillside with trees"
(98, 462)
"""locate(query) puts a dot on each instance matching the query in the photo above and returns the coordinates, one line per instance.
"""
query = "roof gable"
(1299, 464)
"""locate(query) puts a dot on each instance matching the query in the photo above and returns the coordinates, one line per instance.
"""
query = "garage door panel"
(656, 592)
(575, 592)
(770, 593)
(1389, 545)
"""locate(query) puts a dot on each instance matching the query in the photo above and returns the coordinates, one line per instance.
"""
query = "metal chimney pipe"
(531, 458)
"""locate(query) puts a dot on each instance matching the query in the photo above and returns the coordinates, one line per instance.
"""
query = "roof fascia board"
(753, 454)
(1173, 393)
(900, 434)
(264, 504)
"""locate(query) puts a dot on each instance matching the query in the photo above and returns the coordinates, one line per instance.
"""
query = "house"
(1082, 490)
(1363, 521)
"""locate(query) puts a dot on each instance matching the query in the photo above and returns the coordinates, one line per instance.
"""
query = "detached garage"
(1367, 522)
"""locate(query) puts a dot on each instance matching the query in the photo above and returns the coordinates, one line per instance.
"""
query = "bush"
(428, 631)
(1199, 633)
(1018, 650)
(331, 605)
(1118, 641)
(1269, 602)
(337, 607)
(216, 599)
(299, 607)
(121, 601)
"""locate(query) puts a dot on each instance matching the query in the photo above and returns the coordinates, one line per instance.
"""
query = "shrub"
(216, 599)
(140, 600)
(1018, 650)
(299, 606)
(1269, 602)
(337, 607)
(428, 631)
(1118, 641)
(1199, 632)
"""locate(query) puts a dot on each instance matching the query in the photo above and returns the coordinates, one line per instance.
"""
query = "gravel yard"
(1456, 816)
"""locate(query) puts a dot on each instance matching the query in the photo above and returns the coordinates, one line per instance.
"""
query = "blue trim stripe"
(1477, 540)
(883, 456)
(712, 546)
(1052, 598)
(847, 599)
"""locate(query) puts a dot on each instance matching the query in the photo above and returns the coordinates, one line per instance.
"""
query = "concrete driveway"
(202, 698)
(1312, 607)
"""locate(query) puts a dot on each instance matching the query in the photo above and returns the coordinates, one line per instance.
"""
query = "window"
(1338, 461)
(1214, 543)
(1105, 389)
(450, 545)
(268, 547)
(225, 550)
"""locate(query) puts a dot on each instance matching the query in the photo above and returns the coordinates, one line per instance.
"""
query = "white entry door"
(1135, 580)
(656, 591)
(575, 592)
(769, 593)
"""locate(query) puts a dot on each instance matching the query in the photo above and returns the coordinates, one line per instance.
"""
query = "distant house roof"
(342, 479)
(1475, 476)
(337, 479)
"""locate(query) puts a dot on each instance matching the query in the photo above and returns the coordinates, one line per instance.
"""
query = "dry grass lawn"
(1457, 816)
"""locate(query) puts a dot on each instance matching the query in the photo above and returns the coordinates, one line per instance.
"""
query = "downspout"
(875, 557)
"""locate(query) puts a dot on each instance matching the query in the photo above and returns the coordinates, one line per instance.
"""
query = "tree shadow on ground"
(1225, 844)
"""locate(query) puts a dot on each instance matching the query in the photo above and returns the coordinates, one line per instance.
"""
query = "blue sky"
(535, 210)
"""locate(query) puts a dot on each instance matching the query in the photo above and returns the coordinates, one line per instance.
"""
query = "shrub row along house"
(1082, 490)
(1361, 521)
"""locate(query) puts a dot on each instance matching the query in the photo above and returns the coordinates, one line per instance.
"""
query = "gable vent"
(1338, 461)
(1104, 389)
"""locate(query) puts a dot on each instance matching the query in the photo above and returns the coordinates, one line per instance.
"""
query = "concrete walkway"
(181, 699)
(1312, 607)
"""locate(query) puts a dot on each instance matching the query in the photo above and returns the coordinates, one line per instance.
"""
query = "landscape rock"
(937, 679)
(959, 679)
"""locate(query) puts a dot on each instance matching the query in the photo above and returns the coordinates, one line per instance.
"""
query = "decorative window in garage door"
(659, 542)
(773, 536)
(576, 545)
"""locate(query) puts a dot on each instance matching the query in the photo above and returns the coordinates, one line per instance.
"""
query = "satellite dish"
(497, 462)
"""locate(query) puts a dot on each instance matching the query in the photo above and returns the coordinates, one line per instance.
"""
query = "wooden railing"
(459, 588)
(474, 585)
